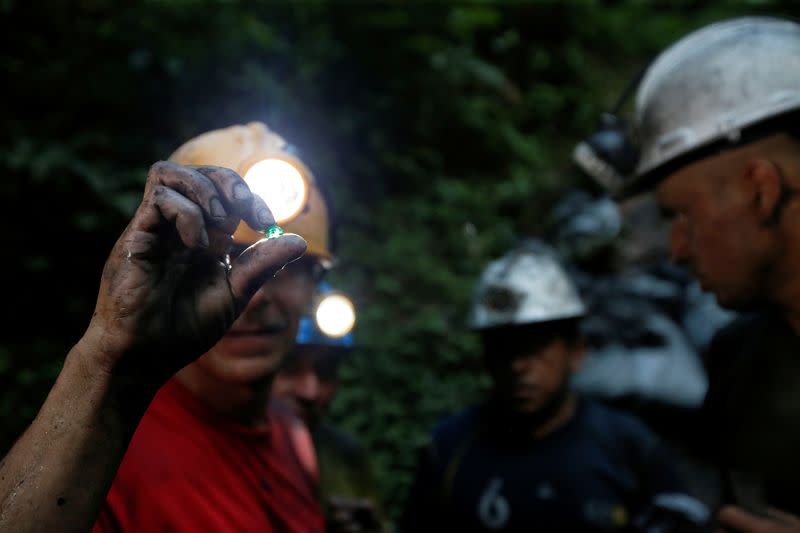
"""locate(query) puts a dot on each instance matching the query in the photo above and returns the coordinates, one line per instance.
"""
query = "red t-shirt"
(188, 469)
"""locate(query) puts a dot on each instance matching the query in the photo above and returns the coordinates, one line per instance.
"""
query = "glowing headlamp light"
(281, 185)
(335, 315)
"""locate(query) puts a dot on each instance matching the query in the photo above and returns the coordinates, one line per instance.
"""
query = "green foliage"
(442, 132)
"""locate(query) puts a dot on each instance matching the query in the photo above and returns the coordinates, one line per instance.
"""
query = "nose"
(679, 239)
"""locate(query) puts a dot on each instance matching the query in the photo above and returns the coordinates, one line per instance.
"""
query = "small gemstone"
(274, 232)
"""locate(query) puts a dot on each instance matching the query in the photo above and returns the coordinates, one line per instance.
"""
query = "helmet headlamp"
(281, 185)
(335, 315)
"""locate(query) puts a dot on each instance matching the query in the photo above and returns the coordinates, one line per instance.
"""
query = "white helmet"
(525, 286)
(712, 85)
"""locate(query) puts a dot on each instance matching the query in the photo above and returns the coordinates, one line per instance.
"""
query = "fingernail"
(241, 192)
(265, 218)
(217, 211)
(204, 239)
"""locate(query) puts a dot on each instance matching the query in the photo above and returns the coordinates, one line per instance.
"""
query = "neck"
(536, 425)
(561, 416)
(785, 289)
(245, 403)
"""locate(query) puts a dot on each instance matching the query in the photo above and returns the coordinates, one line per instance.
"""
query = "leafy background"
(441, 131)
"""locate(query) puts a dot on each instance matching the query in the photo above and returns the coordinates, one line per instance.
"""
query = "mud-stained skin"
(167, 294)
(163, 280)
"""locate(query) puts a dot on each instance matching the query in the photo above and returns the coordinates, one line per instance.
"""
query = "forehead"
(701, 179)
(683, 186)
(527, 336)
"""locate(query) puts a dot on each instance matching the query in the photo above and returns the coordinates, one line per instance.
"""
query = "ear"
(765, 180)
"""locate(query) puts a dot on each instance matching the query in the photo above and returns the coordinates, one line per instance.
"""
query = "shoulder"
(614, 425)
(742, 328)
(457, 425)
(628, 444)
(735, 341)
(451, 431)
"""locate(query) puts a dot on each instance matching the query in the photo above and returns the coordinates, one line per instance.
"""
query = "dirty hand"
(166, 294)
(735, 518)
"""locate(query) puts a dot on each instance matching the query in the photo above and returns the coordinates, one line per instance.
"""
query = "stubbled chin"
(239, 346)
(254, 368)
(241, 368)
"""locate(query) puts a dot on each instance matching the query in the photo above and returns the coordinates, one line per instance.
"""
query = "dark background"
(441, 130)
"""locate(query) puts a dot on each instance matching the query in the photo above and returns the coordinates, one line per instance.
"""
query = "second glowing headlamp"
(331, 321)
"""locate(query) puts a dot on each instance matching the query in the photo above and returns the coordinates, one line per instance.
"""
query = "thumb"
(258, 263)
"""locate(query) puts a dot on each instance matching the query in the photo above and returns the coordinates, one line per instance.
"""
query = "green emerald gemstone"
(274, 232)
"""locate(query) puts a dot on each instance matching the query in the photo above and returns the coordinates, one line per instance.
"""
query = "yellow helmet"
(281, 179)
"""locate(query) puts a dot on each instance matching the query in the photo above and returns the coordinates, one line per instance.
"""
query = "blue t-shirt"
(601, 471)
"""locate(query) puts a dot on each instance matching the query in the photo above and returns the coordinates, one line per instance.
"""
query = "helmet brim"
(649, 180)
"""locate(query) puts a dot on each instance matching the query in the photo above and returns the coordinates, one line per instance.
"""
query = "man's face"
(307, 381)
(715, 231)
(254, 346)
(529, 365)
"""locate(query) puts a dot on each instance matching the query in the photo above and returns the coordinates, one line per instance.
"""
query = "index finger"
(237, 196)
